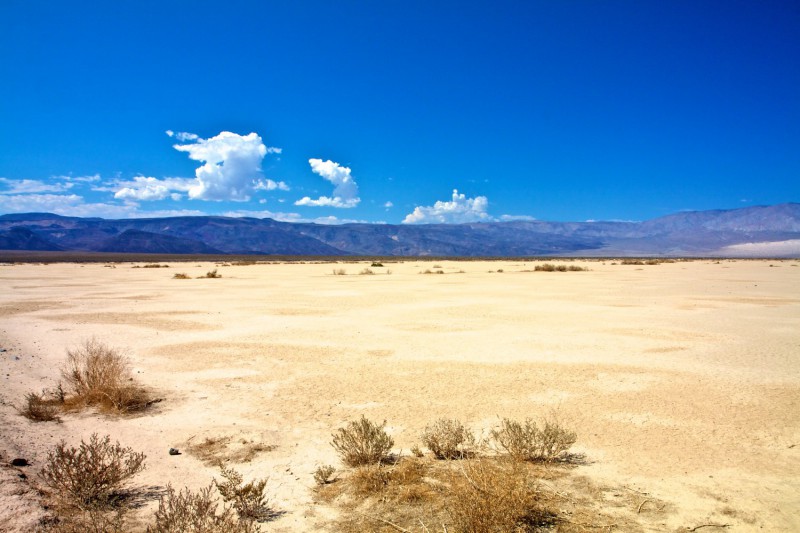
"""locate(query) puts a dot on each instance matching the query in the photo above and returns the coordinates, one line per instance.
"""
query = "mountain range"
(769, 231)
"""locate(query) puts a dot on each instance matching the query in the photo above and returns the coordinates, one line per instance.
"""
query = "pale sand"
(682, 380)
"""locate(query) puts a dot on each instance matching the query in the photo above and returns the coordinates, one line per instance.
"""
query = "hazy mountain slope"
(686, 233)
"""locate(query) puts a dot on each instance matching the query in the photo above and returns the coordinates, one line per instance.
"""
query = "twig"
(602, 526)
(639, 510)
(390, 524)
(695, 528)
(634, 490)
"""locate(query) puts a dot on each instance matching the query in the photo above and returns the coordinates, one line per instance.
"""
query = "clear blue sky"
(557, 110)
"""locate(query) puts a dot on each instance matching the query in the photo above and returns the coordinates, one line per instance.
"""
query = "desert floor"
(681, 379)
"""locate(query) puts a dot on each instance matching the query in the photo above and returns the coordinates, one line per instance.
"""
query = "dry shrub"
(39, 408)
(322, 475)
(181, 275)
(447, 438)
(489, 495)
(366, 272)
(247, 499)
(188, 512)
(339, 272)
(529, 442)
(93, 474)
(212, 274)
(362, 442)
(100, 375)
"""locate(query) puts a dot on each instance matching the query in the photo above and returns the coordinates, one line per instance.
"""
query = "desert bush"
(322, 475)
(574, 268)
(39, 408)
(366, 272)
(94, 473)
(188, 512)
(362, 442)
(376, 264)
(98, 374)
(632, 262)
(488, 496)
(547, 267)
(212, 274)
(248, 499)
(447, 438)
(529, 442)
(339, 272)
(181, 275)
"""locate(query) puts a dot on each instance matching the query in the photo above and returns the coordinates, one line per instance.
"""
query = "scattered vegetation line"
(548, 267)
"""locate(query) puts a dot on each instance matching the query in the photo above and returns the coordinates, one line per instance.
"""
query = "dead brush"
(97, 374)
(40, 408)
(489, 495)
(215, 451)
(362, 442)
(447, 438)
(181, 275)
(529, 442)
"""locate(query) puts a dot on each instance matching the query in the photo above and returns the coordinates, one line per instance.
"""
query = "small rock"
(22, 476)
(19, 462)
(174, 451)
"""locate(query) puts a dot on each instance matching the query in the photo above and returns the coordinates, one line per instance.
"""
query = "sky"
(391, 111)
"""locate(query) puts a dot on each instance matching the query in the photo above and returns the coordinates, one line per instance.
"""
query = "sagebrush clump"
(322, 475)
(529, 442)
(447, 438)
(362, 442)
(94, 473)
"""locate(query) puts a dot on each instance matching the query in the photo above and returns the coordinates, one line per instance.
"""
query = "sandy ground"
(682, 380)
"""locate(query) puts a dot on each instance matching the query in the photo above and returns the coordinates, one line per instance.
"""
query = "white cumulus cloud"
(231, 167)
(147, 188)
(459, 210)
(345, 189)
(26, 186)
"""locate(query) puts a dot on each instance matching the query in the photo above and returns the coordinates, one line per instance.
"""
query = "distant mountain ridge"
(694, 233)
